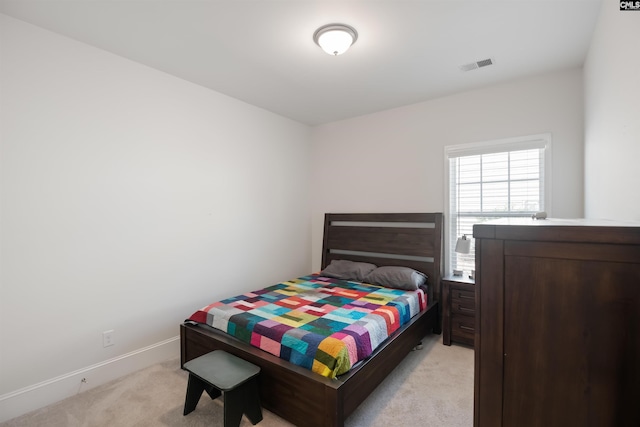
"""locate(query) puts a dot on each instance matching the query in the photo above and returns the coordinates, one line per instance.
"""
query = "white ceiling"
(262, 52)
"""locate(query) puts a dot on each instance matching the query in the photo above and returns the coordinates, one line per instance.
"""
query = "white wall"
(612, 116)
(394, 160)
(130, 198)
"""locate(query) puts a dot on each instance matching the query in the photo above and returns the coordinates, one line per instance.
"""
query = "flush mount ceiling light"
(335, 39)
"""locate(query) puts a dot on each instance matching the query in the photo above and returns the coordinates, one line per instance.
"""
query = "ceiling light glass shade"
(335, 39)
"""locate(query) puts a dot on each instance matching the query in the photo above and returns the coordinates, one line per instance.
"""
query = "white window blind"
(493, 180)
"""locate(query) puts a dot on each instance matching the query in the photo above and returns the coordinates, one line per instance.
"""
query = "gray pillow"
(348, 270)
(404, 278)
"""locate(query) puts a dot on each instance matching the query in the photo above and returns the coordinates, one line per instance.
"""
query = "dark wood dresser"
(557, 323)
(459, 310)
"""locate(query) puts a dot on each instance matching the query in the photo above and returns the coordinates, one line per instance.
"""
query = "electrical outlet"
(107, 338)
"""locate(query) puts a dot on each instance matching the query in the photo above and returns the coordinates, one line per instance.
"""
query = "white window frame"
(487, 147)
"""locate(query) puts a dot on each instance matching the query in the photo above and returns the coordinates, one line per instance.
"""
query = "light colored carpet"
(431, 387)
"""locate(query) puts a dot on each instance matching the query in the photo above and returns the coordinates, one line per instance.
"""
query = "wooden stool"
(219, 372)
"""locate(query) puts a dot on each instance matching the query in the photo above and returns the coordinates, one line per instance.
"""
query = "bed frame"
(305, 398)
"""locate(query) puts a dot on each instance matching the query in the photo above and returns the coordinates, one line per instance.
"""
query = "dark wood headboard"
(406, 239)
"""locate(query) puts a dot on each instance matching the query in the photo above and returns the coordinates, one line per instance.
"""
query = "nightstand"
(459, 310)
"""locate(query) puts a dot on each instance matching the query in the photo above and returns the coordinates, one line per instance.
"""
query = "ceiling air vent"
(476, 65)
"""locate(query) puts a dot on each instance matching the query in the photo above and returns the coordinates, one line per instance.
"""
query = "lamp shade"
(463, 245)
(335, 39)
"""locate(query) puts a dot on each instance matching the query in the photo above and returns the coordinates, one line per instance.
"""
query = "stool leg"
(242, 400)
(252, 402)
(195, 387)
(212, 392)
(233, 407)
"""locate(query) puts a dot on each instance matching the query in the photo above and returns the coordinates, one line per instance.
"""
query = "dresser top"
(560, 230)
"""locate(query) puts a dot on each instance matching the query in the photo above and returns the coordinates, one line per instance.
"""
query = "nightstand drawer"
(463, 296)
(463, 328)
(463, 307)
(459, 311)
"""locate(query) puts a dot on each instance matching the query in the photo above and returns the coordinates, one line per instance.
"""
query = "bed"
(303, 397)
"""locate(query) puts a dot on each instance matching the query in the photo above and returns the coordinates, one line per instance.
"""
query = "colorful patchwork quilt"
(323, 324)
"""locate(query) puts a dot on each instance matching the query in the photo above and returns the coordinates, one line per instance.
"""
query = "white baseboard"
(39, 395)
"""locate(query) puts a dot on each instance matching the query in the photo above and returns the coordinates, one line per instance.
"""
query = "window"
(493, 180)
